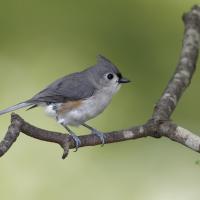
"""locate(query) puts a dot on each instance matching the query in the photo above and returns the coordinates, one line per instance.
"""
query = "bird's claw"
(100, 135)
(76, 141)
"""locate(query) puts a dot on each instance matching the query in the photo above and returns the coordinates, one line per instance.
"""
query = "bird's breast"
(77, 112)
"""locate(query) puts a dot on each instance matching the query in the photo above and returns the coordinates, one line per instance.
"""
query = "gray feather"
(69, 88)
(15, 107)
(76, 86)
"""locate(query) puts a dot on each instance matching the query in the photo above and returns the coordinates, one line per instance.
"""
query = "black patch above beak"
(123, 80)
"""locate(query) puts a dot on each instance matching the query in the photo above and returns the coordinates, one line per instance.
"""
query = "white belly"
(88, 109)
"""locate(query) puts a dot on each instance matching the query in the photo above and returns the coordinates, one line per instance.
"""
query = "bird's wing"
(69, 88)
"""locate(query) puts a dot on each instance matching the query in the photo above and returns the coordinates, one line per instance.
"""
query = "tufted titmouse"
(78, 97)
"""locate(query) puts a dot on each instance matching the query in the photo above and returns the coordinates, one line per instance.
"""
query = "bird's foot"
(100, 135)
(76, 140)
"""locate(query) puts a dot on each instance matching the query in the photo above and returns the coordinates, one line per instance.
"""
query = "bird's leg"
(97, 133)
(74, 137)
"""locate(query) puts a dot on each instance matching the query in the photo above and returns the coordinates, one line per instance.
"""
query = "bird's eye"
(110, 76)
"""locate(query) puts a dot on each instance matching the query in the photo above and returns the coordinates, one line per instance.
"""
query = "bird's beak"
(123, 80)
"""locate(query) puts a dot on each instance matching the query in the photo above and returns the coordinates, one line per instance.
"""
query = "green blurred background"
(43, 40)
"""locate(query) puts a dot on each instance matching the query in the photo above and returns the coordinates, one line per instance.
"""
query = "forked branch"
(158, 125)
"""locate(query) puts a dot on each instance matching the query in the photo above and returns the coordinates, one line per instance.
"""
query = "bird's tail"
(15, 107)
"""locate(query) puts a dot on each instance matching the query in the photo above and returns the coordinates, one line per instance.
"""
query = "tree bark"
(158, 125)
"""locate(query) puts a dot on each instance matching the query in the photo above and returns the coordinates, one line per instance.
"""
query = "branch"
(185, 68)
(158, 125)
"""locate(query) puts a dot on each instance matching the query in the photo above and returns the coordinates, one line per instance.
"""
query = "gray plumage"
(78, 97)
(15, 107)
(76, 86)
(69, 88)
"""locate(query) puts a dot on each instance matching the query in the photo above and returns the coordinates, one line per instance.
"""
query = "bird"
(78, 97)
